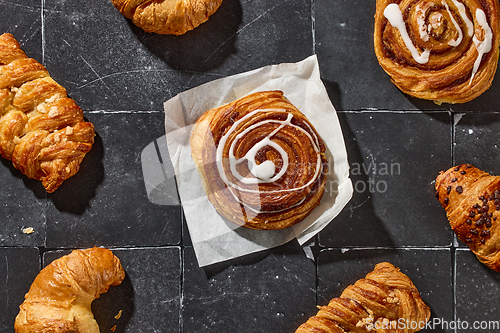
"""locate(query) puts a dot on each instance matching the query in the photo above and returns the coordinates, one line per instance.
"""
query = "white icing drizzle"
(483, 46)
(457, 41)
(264, 172)
(393, 13)
(422, 27)
(463, 15)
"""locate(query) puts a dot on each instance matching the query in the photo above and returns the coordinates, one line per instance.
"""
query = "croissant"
(42, 131)
(261, 162)
(384, 301)
(440, 50)
(59, 300)
(168, 17)
(471, 198)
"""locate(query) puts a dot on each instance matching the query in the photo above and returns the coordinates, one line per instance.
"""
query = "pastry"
(167, 17)
(261, 162)
(60, 297)
(42, 131)
(471, 198)
(384, 301)
(440, 50)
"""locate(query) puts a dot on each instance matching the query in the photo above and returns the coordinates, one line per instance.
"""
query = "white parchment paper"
(214, 238)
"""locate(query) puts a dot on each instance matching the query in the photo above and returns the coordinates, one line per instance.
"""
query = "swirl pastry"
(42, 131)
(471, 198)
(261, 162)
(386, 300)
(59, 300)
(440, 50)
(167, 17)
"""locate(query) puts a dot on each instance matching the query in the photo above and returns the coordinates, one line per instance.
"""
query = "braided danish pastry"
(386, 300)
(471, 198)
(440, 50)
(167, 17)
(59, 299)
(261, 162)
(42, 131)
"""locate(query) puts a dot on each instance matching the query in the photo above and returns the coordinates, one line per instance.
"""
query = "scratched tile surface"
(120, 76)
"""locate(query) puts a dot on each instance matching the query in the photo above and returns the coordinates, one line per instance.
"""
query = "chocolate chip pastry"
(60, 297)
(386, 300)
(168, 17)
(440, 50)
(42, 131)
(471, 198)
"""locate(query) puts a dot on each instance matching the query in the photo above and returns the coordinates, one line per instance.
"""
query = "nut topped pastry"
(261, 162)
(42, 131)
(441, 50)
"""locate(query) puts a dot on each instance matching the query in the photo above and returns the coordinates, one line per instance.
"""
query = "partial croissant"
(441, 50)
(471, 198)
(167, 17)
(42, 131)
(384, 301)
(59, 300)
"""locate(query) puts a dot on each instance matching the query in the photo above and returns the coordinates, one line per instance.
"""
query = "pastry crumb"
(113, 328)
(28, 230)
(118, 315)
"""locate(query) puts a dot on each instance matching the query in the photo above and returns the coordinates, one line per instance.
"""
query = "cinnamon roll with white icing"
(261, 162)
(441, 50)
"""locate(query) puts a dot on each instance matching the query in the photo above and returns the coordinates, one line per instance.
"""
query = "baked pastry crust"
(384, 301)
(457, 39)
(260, 160)
(60, 297)
(42, 131)
(168, 17)
(471, 198)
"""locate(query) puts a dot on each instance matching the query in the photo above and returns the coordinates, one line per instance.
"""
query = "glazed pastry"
(471, 198)
(384, 301)
(440, 50)
(59, 300)
(42, 131)
(167, 17)
(261, 162)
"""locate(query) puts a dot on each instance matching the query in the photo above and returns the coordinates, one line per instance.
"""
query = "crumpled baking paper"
(214, 238)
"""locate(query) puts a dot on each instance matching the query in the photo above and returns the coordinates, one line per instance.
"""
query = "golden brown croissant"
(168, 17)
(42, 131)
(471, 198)
(261, 162)
(60, 297)
(384, 301)
(440, 50)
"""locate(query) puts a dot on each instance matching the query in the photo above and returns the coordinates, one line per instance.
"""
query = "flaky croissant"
(168, 17)
(440, 50)
(261, 162)
(471, 198)
(59, 300)
(386, 301)
(42, 131)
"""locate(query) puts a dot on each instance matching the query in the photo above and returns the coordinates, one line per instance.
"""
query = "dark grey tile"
(23, 19)
(18, 269)
(349, 67)
(393, 163)
(476, 289)
(431, 270)
(94, 53)
(264, 292)
(106, 203)
(246, 35)
(22, 206)
(149, 296)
